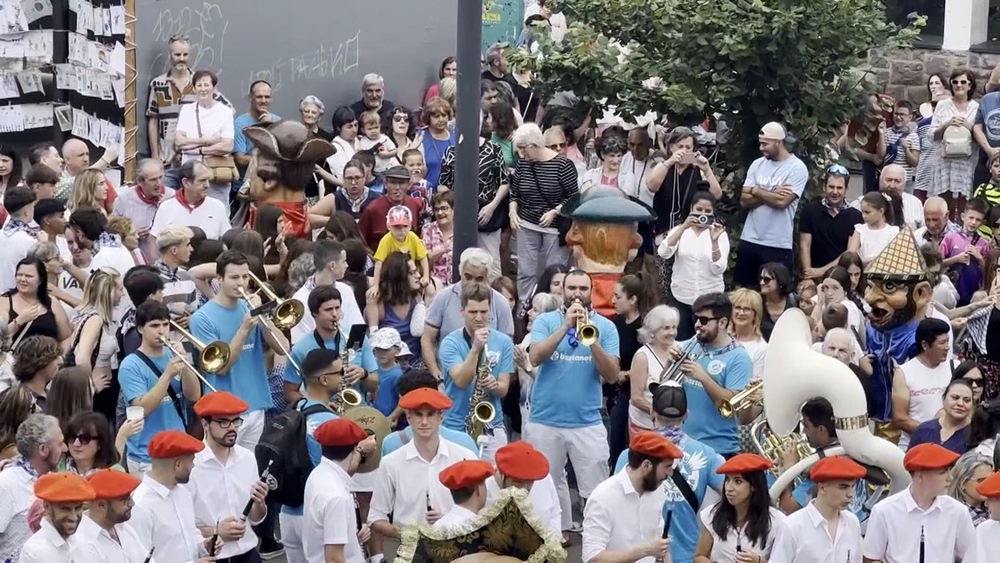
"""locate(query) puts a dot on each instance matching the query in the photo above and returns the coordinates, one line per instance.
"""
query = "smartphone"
(356, 337)
(689, 158)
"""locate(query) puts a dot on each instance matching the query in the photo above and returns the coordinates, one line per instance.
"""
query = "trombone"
(284, 313)
(213, 357)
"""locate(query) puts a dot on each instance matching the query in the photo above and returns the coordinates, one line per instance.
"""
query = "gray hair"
(143, 164)
(528, 134)
(33, 433)
(505, 93)
(45, 251)
(371, 79)
(547, 302)
(312, 100)
(494, 53)
(962, 471)
(477, 258)
(657, 318)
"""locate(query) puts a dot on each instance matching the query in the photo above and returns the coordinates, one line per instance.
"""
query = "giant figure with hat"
(286, 158)
(898, 292)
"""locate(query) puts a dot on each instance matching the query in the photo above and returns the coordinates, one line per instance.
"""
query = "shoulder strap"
(685, 489)
(197, 118)
(313, 409)
(319, 341)
(403, 436)
(170, 388)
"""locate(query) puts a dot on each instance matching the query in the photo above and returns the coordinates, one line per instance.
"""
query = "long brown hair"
(70, 394)
(394, 283)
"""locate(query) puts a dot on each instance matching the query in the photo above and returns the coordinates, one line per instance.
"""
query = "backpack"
(283, 442)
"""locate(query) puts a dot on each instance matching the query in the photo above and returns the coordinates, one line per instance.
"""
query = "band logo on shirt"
(690, 467)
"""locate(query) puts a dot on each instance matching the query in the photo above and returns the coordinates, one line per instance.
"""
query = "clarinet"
(150, 556)
(429, 507)
(215, 539)
(357, 514)
(666, 529)
(263, 477)
(921, 544)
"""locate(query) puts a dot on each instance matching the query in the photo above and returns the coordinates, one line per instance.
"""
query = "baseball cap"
(772, 131)
(398, 216)
(386, 338)
(669, 400)
(397, 173)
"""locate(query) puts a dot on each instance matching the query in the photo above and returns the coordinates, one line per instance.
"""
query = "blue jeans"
(171, 178)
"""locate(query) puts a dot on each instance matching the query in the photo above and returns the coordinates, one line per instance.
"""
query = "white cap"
(386, 338)
(772, 131)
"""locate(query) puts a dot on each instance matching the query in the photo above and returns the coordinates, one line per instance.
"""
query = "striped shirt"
(179, 292)
(539, 187)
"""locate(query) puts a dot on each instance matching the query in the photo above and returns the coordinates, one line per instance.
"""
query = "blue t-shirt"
(247, 378)
(730, 368)
(393, 441)
(136, 380)
(767, 225)
(313, 422)
(698, 468)
(433, 155)
(453, 351)
(387, 397)
(365, 359)
(988, 115)
(569, 376)
(240, 142)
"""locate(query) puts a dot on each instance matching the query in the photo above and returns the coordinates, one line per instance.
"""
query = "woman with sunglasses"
(923, 176)
(969, 371)
(778, 292)
(950, 429)
(953, 172)
(16, 403)
(402, 131)
(970, 470)
(91, 446)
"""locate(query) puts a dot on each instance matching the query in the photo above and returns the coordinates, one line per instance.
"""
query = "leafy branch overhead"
(746, 61)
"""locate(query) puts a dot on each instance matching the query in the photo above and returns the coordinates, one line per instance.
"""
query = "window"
(931, 35)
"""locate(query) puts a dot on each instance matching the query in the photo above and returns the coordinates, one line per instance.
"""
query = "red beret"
(927, 457)
(425, 396)
(520, 461)
(63, 487)
(654, 445)
(990, 486)
(169, 444)
(465, 474)
(743, 463)
(339, 432)
(110, 484)
(836, 469)
(220, 403)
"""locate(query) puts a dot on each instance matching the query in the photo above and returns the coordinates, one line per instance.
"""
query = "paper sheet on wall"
(78, 49)
(38, 45)
(35, 10)
(11, 48)
(84, 14)
(30, 81)
(100, 57)
(118, 84)
(94, 130)
(12, 17)
(81, 122)
(37, 116)
(8, 86)
(117, 62)
(11, 119)
(74, 5)
(118, 20)
(65, 79)
(64, 117)
(106, 22)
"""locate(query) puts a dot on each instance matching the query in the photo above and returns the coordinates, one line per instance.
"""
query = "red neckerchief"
(184, 202)
(142, 197)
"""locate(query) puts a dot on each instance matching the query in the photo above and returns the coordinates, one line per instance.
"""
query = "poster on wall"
(502, 22)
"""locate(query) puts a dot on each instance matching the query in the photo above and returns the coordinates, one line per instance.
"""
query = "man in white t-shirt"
(330, 260)
(17, 236)
(919, 384)
(771, 193)
(90, 227)
(190, 206)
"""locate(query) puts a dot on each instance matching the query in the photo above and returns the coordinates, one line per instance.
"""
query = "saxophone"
(480, 411)
(346, 398)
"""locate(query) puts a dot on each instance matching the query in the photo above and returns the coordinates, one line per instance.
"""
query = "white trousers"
(494, 443)
(137, 469)
(253, 426)
(586, 448)
(291, 537)
(490, 242)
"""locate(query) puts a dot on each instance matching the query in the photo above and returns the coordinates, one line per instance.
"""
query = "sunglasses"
(959, 82)
(557, 146)
(700, 320)
(975, 381)
(838, 169)
(400, 118)
(766, 279)
(84, 439)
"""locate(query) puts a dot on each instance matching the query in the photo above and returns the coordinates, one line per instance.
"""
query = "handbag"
(957, 142)
(223, 167)
(561, 223)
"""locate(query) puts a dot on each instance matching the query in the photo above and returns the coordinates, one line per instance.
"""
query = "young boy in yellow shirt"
(401, 239)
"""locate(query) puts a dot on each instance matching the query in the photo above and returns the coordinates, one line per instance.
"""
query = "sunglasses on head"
(838, 169)
(85, 439)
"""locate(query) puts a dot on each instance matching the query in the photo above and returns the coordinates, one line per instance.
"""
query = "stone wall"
(906, 72)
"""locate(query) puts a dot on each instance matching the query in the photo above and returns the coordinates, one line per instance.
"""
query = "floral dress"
(433, 239)
(953, 175)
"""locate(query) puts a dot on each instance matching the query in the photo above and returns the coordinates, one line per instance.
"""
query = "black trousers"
(248, 557)
(751, 256)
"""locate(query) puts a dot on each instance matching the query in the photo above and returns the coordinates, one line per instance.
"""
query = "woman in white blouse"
(658, 335)
(700, 247)
(834, 290)
(345, 130)
(742, 526)
(540, 303)
(748, 307)
(205, 128)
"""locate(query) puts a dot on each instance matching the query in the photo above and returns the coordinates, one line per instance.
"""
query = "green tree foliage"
(746, 61)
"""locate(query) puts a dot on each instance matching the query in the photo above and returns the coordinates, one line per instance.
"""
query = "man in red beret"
(163, 516)
(623, 518)
(824, 530)
(987, 544)
(63, 496)
(922, 514)
(520, 465)
(467, 482)
(330, 523)
(225, 479)
(408, 487)
(104, 535)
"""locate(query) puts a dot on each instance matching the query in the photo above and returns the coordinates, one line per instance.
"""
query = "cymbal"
(374, 423)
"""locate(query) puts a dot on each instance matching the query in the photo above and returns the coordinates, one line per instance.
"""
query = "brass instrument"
(273, 318)
(180, 354)
(213, 357)
(346, 399)
(672, 372)
(481, 411)
(284, 313)
(586, 333)
(745, 399)
(772, 447)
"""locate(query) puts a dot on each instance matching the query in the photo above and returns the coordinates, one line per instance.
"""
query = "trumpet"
(274, 315)
(586, 333)
(180, 354)
(672, 372)
(284, 313)
(741, 401)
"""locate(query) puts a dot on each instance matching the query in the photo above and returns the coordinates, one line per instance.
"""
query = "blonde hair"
(370, 117)
(173, 236)
(45, 251)
(122, 226)
(750, 299)
(98, 293)
(448, 90)
(84, 192)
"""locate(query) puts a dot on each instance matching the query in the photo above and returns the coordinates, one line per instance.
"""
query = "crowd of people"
(148, 359)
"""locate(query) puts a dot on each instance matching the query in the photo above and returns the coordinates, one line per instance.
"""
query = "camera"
(706, 220)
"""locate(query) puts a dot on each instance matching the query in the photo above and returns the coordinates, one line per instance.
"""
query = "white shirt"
(893, 532)
(987, 543)
(404, 479)
(926, 387)
(47, 546)
(913, 211)
(216, 121)
(543, 498)
(874, 241)
(95, 545)
(805, 538)
(617, 517)
(221, 491)
(350, 313)
(16, 497)
(328, 514)
(639, 171)
(339, 159)
(117, 258)
(757, 350)
(726, 550)
(457, 516)
(210, 216)
(695, 273)
(164, 518)
(14, 247)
